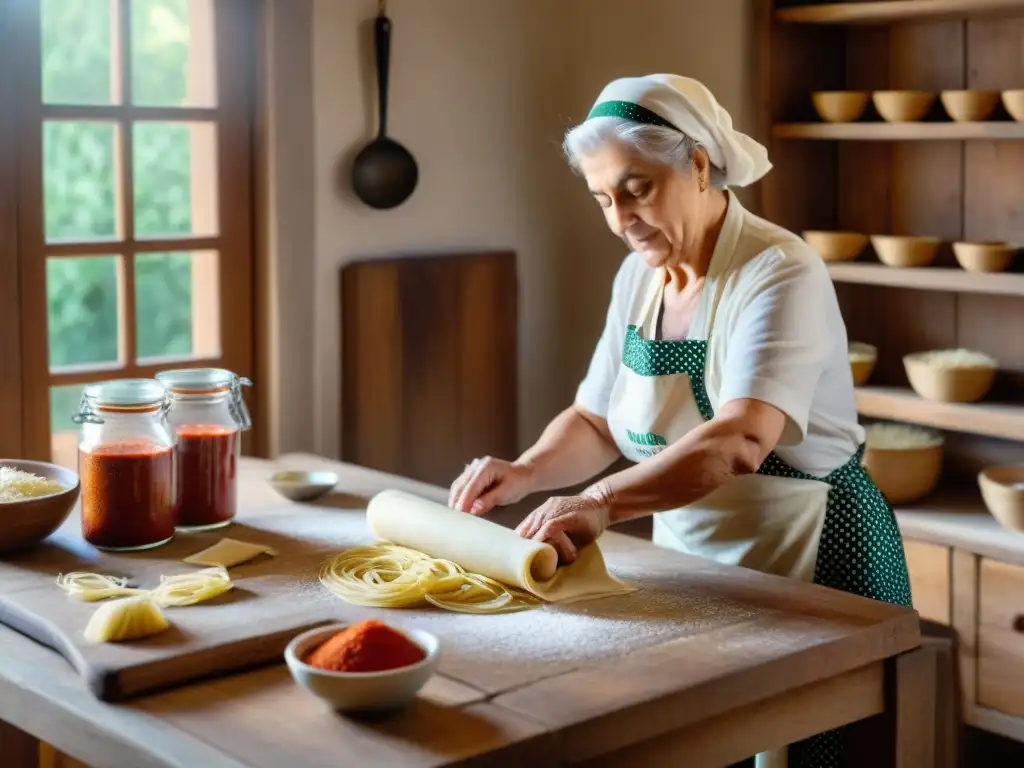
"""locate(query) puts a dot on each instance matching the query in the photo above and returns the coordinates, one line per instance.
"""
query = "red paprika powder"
(369, 646)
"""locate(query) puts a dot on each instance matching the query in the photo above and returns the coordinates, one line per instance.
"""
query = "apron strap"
(647, 320)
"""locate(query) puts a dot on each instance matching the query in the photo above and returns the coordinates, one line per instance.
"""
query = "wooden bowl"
(896, 251)
(969, 106)
(24, 524)
(836, 246)
(903, 106)
(862, 362)
(840, 106)
(948, 382)
(1014, 103)
(984, 257)
(905, 473)
(1002, 489)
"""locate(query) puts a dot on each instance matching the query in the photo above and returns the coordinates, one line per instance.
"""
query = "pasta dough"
(391, 576)
(228, 553)
(129, 618)
(488, 549)
(183, 589)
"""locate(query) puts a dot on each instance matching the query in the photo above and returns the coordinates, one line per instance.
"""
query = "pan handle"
(382, 44)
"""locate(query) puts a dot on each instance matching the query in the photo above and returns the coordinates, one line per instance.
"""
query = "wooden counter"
(801, 660)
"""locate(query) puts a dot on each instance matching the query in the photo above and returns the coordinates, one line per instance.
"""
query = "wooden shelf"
(957, 517)
(992, 419)
(987, 131)
(891, 11)
(950, 280)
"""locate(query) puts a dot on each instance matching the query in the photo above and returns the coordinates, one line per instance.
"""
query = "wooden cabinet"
(967, 573)
(929, 579)
(1001, 637)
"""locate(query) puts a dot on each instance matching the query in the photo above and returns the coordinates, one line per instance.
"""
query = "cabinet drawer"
(929, 579)
(1001, 637)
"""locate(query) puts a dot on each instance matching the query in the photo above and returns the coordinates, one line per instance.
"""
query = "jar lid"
(197, 379)
(126, 392)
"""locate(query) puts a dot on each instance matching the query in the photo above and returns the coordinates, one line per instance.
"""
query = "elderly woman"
(722, 372)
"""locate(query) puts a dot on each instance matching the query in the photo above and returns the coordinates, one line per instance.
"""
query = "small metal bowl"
(298, 485)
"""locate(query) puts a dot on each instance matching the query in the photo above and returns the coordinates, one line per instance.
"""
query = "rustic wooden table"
(808, 660)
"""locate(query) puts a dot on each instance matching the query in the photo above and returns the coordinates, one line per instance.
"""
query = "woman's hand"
(568, 523)
(487, 483)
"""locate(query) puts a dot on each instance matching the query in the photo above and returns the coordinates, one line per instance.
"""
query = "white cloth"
(778, 337)
(692, 108)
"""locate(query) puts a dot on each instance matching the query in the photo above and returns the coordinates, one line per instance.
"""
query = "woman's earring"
(701, 184)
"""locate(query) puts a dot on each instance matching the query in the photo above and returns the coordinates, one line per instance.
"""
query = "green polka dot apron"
(836, 530)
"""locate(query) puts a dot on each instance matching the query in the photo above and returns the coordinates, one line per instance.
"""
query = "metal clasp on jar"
(237, 407)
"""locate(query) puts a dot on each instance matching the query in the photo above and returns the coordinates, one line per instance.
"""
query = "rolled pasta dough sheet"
(483, 547)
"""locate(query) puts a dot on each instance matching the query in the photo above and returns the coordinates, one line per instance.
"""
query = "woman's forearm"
(572, 449)
(732, 444)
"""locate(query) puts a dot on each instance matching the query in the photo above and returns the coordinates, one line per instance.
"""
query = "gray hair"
(654, 142)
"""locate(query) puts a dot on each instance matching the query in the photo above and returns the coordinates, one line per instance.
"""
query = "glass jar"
(126, 464)
(206, 415)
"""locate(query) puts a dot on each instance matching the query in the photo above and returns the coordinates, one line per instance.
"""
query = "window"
(126, 201)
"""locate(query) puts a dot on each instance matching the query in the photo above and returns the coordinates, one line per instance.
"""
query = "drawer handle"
(1018, 623)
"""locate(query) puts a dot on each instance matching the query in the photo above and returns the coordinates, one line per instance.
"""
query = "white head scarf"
(689, 107)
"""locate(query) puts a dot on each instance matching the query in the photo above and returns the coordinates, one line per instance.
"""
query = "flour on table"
(494, 652)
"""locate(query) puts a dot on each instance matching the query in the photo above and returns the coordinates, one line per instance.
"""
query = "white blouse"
(776, 335)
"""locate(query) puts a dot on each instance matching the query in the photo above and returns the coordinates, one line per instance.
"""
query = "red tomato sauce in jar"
(207, 485)
(127, 494)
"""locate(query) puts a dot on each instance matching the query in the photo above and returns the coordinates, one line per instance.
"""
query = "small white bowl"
(298, 485)
(361, 691)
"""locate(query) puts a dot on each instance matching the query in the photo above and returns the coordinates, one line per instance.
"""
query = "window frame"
(26, 384)
(10, 308)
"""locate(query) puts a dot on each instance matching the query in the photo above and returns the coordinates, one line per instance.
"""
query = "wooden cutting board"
(682, 603)
(429, 362)
(274, 599)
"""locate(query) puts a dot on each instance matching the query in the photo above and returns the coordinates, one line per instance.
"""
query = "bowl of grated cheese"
(904, 461)
(35, 499)
(951, 375)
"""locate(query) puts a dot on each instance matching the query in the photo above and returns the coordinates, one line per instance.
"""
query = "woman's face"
(656, 210)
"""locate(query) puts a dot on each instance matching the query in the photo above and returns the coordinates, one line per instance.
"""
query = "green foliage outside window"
(80, 187)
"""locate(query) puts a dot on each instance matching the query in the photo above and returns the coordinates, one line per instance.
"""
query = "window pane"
(63, 405)
(177, 305)
(173, 53)
(79, 180)
(175, 171)
(77, 51)
(63, 431)
(83, 310)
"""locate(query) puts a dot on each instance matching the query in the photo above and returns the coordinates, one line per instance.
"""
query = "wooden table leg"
(17, 748)
(904, 735)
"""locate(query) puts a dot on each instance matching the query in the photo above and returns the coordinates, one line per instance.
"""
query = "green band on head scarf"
(627, 110)
(687, 106)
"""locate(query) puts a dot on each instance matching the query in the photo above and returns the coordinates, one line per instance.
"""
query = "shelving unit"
(957, 515)
(871, 131)
(947, 279)
(895, 11)
(954, 181)
(989, 419)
